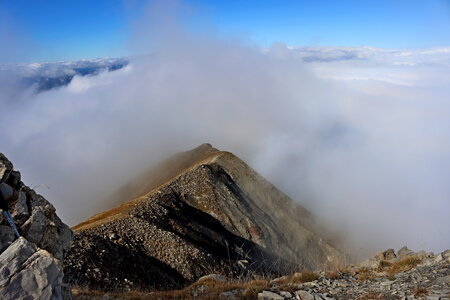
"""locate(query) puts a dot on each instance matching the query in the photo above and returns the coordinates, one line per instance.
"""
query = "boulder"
(268, 295)
(304, 295)
(27, 272)
(389, 254)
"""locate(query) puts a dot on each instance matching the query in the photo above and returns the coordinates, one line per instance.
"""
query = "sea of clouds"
(360, 136)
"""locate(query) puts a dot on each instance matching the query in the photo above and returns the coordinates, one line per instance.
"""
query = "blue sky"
(64, 30)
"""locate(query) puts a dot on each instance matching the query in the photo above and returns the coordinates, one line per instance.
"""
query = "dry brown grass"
(332, 274)
(384, 264)
(420, 291)
(296, 278)
(365, 274)
(402, 265)
(87, 294)
(388, 268)
(211, 289)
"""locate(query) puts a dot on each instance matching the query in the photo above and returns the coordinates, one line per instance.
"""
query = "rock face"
(214, 215)
(33, 215)
(27, 272)
(30, 267)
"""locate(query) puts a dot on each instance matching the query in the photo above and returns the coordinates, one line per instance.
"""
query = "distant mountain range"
(46, 76)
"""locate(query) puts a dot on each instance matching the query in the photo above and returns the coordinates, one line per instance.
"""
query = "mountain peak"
(212, 213)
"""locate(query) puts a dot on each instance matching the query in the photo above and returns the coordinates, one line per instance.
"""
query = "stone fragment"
(404, 251)
(285, 294)
(216, 277)
(20, 211)
(27, 272)
(446, 255)
(304, 295)
(389, 254)
(230, 295)
(268, 295)
(6, 237)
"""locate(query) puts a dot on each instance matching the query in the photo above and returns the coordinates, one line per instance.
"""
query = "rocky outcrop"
(216, 215)
(27, 272)
(31, 266)
(34, 216)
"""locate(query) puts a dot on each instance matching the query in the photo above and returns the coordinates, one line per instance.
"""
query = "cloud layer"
(361, 140)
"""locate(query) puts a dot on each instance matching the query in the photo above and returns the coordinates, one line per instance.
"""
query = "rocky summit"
(30, 266)
(211, 213)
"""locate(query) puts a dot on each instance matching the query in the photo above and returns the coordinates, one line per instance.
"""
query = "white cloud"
(358, 138)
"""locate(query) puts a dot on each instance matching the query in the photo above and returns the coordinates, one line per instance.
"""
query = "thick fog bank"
(362, 140)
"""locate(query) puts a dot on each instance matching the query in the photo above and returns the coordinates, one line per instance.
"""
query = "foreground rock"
(216, 215)
(31, 266)
(34, 216)
(27, 272)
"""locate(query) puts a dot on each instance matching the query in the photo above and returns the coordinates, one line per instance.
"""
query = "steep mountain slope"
(214, 215)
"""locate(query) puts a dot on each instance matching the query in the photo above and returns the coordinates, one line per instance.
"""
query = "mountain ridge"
(217, 214)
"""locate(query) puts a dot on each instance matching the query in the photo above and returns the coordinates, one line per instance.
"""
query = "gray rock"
(6, 190)
(389, 254)
(30, 267)
(285, 294)
(304, 295)
(446, 255)
(216, 277)
(6, 237)
(443, 280)
(44, 228)
(27, 272)
(34, 216)
(404, 251)
(268, 295)
(5, 167)
(231, 295)
(20, 211)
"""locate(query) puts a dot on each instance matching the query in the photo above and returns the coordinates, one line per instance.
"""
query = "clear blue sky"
(48, 30)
